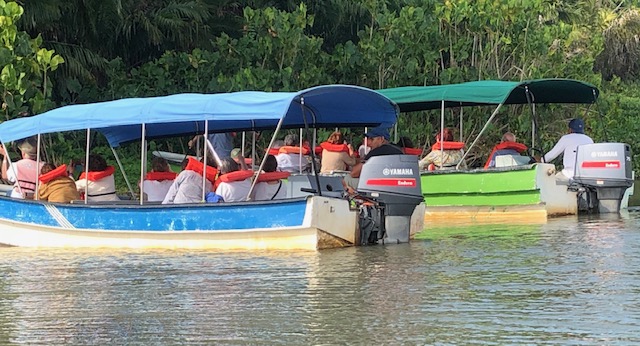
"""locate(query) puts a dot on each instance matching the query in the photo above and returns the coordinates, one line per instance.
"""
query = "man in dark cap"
(378, 141)
(567, 146)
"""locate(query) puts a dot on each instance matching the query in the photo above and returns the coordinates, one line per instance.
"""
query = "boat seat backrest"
(511, 160)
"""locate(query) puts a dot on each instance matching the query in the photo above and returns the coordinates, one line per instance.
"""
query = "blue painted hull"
(158, 218)
(301, 223)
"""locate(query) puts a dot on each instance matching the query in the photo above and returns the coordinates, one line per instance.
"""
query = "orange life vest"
(236, 176)
(160, 176)
(519, 147)
(413, 151)
(448, 146)
(334, 147)
(272, 176)
(198, 167)
(61, 171)
(95, 176)
(287, 149)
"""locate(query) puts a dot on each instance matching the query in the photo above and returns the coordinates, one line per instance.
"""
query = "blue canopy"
(185, 114)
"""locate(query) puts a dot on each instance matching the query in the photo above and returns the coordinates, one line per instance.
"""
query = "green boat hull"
(521, 194)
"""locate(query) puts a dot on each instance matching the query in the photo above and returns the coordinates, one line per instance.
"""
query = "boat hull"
(304, 223)
(522, 194)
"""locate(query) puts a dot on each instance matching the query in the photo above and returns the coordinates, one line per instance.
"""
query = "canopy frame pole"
(595, 100)
(442, 133)
(216, 158)
(143, 161)
(205, 157)
(534, 127)
(126, 180)
(484, 128)
(395, 132)
(264, 158)
(86, 167)
(35, 193)
(244, 137)
(253, 148)
(314, 167)
(461, 118)
(300, 152)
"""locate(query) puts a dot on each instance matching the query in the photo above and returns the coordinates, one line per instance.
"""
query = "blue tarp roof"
(185, 114)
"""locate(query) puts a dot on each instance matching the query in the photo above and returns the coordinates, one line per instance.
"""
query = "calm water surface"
(571, 281)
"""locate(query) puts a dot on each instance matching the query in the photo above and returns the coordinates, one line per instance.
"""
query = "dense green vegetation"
(121, 48)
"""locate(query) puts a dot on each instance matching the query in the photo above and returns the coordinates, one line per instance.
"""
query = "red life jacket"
(334, 147)
(448, 146)
(236, 176)
(412, 151)
(61, 171)
(273, 151)
(160, 176)
(198, 167)
(519, 147)
(95, 176)
(272, 176)
(294, 150)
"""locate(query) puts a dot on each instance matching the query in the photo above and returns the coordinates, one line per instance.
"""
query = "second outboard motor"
(392, 182)
(605, 171)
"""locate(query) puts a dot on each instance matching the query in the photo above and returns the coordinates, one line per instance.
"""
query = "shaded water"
(567, 282)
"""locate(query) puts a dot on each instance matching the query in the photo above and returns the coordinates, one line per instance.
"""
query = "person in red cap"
(567, 146)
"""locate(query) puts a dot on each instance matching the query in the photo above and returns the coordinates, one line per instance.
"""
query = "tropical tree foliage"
(121, 48)
(26, 68)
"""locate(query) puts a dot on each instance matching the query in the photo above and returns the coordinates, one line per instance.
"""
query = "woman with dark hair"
(99, 184)
(336, 154)
(269, 185)
(445, 153)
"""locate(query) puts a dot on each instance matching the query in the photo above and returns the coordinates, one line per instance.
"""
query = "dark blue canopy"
(185, 114)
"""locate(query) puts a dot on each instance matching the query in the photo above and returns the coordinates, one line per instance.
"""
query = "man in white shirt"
(567, 146)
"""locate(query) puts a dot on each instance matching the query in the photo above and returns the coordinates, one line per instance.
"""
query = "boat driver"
(378, 141)
(567, 146)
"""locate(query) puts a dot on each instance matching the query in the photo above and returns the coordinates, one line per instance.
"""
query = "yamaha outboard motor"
(605, 171)
(392, 184)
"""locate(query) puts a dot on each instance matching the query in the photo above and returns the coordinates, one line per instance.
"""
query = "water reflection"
(570, 281)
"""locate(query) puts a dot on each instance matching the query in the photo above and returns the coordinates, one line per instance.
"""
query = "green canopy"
(491, 92)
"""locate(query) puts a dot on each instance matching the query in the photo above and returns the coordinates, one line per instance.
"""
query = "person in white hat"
(23, 173)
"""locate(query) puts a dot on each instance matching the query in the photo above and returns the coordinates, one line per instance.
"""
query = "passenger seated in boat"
(100, 184)
(156, 183)
(292, 158)
(378, 141)
(269, 184)
(337, 155)
(187, 187)
(24, 172)
(406, 145)
(55, 185)
(567, 146)
(507, 146)
(234, 183)
(444, 154)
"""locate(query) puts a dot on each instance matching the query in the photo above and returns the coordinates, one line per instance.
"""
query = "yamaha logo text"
(397, 171)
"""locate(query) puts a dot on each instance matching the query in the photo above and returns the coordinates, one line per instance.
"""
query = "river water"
(570, 281)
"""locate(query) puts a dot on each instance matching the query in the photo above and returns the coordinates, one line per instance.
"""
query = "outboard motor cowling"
(606, 169)
(393, 181)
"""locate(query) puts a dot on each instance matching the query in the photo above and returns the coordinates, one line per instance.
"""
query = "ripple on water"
(570, 281)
